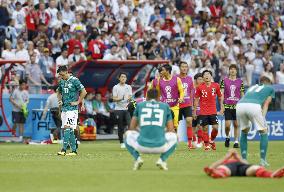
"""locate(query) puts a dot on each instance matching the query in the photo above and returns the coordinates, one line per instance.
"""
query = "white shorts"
(132, 136)
(69, 119)
(250, 112)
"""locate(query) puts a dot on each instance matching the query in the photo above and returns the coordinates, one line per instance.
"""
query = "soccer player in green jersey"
(70, 94)
(152, 117)
(253, 108)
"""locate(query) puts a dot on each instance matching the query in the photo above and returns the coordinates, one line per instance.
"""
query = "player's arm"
(266, 105)
(220, 99)
(222, 87)
(242, 89)
(134, 121)
(180, 90)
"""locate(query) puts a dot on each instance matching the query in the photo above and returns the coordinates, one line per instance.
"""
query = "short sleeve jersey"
(69, 90)
(207, 98)
(152, 118)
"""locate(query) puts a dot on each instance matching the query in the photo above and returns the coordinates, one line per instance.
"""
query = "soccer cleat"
(212, 145)
(264, 163)
(199, 145)
(122, 146)
(73, 153)
(236, 145)
(207, 148)
(278, 173)
(162, 165)
(227, 142)
(62, 153)
(138, 164)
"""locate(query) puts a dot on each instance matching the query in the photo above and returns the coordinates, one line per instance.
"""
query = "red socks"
(262, 172)
(205, 137)
(189, 135)
(199, 136)
(214, 134)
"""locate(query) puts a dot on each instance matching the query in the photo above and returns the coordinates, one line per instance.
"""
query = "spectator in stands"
(76, 56)
(62, 59)
(35, 77)
(20, 99)
(102, 114)
(23, 54)
(268, 72)
(113, 54)
(280, 75)
(11, 33)
(47, 65)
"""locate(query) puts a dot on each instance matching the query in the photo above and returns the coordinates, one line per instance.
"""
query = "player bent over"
(151, 117)
(253, 108)
(233, 165)
(68, 99)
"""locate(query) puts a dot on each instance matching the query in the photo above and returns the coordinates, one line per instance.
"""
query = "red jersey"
(71, 45)
(207, 98)
(97, 48)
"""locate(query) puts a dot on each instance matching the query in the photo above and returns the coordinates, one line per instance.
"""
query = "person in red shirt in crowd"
(75, 41)
(169, 26)
(43, 16)
(31, 21)
(96, 47)
(206, 97)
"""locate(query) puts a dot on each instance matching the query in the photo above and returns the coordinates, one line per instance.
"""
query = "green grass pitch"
(102, 166)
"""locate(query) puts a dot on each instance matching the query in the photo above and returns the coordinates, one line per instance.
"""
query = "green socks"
(165, 156)
(263, 145)
(244, 145)
(132, 151)
(69, 138)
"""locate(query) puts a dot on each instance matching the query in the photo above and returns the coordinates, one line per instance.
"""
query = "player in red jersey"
(206, 97)
(233, 165)
(198, 80)
(185, 108)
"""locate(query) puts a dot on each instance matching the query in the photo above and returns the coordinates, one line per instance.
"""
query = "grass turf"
(103, 166)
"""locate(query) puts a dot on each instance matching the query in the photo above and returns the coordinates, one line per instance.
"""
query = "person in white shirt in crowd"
(112, 54)
(8, 54)
(22, 54)
(62, 59)
(68, 15)
(35, 77)
(280, 75)
(258, 67)
(19, 16)
(78, 24)
(76, 56)
(52, 11)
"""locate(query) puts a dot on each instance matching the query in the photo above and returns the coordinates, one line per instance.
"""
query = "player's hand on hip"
(82, 108)
(194, 115)
(60, 102)
(180, 100)
(75, 103)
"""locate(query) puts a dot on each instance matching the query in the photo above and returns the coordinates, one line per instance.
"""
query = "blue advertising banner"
(274, 120)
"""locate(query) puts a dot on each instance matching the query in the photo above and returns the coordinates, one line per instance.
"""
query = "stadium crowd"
(206, 34)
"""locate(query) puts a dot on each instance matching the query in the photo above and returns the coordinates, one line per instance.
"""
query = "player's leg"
(213, 120)
(120, 126)
(204, 123)
(243, 123)
(131, 145)
(259, 171)
(236, 128)
(175, 110)
(227, 127)
(171, 143)
(187, 113)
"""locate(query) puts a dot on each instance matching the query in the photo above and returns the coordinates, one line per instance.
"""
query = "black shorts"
(185, 112)
(208, 120)
(18, 117)
(238, 168)
(230, 114)
(196, 122)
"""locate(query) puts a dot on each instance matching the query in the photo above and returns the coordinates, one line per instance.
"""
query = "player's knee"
(263, 131)
(245, 131)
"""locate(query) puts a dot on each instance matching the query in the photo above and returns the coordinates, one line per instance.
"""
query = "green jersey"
(258, 94)
(152, 118)
(69, 89)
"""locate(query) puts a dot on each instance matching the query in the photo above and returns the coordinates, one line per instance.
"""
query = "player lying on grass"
(233, 165)
(151, 117)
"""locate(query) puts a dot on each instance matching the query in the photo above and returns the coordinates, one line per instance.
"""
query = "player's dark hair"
(54, 88)
(196, 76)
(152, 94)
(207, 71)
(21, 81)
(264, 80)
(233, 66)
(62, 69)
(182, 62)
(167, 67)
(122, 73)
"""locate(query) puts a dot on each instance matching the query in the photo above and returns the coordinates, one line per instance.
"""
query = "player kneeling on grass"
(233, 165)
(151, 117)
(68, 99)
